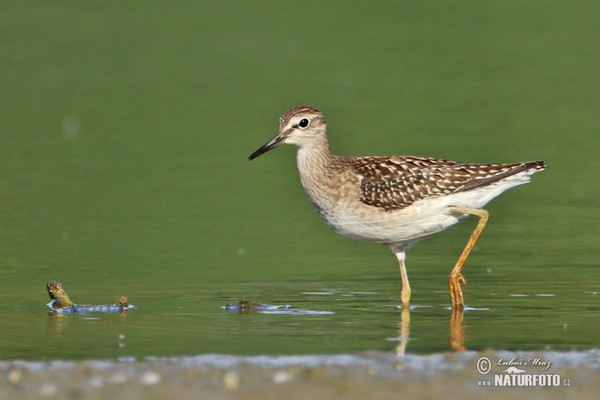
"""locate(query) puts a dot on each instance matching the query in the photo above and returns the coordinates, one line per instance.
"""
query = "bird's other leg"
(455, 277)
(405, 294)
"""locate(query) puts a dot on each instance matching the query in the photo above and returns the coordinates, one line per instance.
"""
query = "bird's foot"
(456, 296)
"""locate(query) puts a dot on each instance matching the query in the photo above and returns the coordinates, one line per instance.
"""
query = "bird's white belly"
(391, 227)
(408, 225)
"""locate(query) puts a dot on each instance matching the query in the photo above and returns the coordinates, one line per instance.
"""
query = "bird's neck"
(315, 165)
(314, 158)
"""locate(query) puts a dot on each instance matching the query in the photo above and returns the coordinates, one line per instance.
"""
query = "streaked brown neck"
(316, 167)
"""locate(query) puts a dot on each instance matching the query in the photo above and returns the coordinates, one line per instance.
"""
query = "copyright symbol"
(484, 365)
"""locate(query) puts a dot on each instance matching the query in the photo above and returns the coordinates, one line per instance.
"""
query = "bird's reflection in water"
(404, 331)
(456, 330)
(456, 334)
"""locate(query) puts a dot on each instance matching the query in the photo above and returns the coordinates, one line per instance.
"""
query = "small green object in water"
(58, 296)
(61, 304)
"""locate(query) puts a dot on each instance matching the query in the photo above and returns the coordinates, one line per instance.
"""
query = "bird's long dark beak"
(278, 140)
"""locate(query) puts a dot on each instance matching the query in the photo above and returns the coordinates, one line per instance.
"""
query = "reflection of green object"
(61, 304)
(57, 294)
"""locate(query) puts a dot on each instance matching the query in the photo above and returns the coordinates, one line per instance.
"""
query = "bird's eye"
(303, 123)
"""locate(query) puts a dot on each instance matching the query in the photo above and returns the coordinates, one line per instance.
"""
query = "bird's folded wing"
(393, 183)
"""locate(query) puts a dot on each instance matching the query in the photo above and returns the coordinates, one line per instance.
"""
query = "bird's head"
(300, 126)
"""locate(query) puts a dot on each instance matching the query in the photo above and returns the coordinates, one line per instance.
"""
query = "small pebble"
(282, 377)
(96, 382)
(117, 379)
(48, 389)
(231, 381)
(150, 378)
(15, 376)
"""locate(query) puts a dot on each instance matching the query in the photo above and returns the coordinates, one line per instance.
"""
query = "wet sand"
(370, 375)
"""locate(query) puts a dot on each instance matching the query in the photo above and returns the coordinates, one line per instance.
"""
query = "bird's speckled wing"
(393, 183)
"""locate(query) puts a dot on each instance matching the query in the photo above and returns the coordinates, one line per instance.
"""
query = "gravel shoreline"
(372, 375)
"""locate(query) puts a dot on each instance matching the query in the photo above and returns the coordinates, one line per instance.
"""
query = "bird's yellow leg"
(405, 294)
(455, 277)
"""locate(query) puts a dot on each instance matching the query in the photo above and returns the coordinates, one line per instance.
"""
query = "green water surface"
(125, 129)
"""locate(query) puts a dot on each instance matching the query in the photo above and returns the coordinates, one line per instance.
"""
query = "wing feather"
(394, 183)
